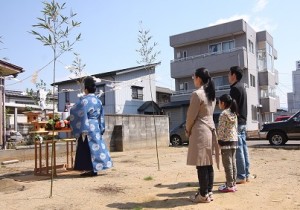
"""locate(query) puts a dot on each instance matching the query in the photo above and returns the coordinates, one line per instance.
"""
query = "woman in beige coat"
(200, 129)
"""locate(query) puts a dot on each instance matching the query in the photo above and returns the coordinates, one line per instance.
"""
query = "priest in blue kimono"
(88, 126)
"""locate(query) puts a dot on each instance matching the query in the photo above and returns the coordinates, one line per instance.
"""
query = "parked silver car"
(177, 135)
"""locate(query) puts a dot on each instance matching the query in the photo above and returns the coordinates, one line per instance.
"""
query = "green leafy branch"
(77, 68)
(147, 52)
(58, 26)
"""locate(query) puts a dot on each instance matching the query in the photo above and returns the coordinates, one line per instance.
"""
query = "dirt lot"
(136, 183)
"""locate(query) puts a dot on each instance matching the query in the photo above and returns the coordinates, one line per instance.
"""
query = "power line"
(36, 72)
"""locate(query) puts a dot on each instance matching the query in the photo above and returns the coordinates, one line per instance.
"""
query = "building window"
(269, 56)
(183, 86)
(227, 46)
(181, 54)
(262, 62)
(267, 91)
(252, 80)
(254, 112)
(269, 49)
(251, 46)
(101, 89)
(25, 102)
(137, 92)
(221, 47)
(165, 98)
(270, 63)
(214, 48)
(221, 83)
(67, 97)
(264, 93)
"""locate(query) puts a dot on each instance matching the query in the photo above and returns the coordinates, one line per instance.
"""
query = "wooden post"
(72, 160)
(54, 154)
(35, 157)
(67, 144)
(40, 157)
(47, 157)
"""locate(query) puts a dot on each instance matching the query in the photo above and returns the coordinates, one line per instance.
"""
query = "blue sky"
(110, 28)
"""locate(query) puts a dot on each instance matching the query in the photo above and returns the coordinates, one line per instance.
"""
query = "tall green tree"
(54, 29)
(148, 55)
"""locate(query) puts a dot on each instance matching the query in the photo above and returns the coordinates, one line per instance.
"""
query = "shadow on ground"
(168, 200)
(28, 176)
(155, 204)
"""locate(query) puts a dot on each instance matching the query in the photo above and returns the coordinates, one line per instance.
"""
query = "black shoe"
(89, 173)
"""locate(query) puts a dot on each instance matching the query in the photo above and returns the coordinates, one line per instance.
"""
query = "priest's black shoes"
(88, 174)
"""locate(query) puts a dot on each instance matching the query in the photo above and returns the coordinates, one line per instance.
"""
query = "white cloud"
(261, 24)
(258, 24)
(232, 18)
(260, 5)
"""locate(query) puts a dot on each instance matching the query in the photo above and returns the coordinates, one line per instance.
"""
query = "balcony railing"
(207, 54)
(185, 92)
(269, 95)
(223, 87)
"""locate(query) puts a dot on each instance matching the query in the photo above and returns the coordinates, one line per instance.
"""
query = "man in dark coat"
(238, 92)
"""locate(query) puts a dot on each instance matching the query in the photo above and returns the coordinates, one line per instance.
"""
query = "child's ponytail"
(234, 107)
(229, 103)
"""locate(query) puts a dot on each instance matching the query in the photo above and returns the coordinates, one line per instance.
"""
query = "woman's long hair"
(209, 85)
(229, 103)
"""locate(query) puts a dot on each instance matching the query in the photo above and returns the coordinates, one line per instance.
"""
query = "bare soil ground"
(136, 183)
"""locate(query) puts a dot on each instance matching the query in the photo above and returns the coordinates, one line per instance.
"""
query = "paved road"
(291, 144)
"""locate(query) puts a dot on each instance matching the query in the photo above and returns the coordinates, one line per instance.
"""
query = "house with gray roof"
(6, 70)
(123, 91)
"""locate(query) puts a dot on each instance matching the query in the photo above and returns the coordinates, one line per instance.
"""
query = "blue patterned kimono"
(87, 117)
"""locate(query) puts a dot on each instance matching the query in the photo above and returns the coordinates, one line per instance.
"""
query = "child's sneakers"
(197, 198)
(225, 188)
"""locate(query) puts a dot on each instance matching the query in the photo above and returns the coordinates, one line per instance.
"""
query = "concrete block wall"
(123, 133)
(130, 132)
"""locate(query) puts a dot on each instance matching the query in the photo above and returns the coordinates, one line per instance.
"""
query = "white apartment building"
(294, 97)
(217, 48)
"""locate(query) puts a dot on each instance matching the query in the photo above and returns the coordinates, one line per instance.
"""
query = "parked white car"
(15, 136)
